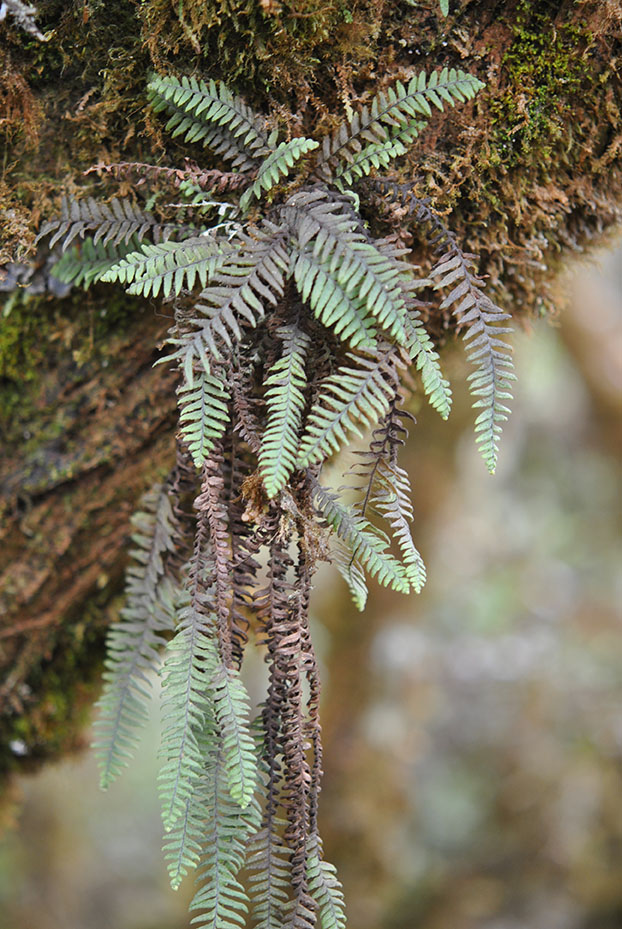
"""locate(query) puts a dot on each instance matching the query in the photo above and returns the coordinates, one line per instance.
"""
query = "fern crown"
(295, 331)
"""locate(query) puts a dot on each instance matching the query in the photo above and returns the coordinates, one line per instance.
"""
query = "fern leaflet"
(402, 105)
(112, 223)
(211, 114)
(185, 703)
(325, 890)
(88, 263)
(170, 266)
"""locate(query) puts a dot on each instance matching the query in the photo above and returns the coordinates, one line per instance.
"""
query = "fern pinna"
(294, 329)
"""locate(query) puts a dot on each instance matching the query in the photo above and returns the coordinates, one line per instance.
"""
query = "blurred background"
(473, 734)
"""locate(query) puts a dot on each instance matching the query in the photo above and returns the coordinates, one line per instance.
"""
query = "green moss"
(544, 71)
(40, 332)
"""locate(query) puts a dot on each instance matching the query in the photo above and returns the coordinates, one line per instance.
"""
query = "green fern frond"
(286, 382)
(237, 295)
(347, 267)
(344, 314)
(350, 396)
(209, 113)
(87, 263)
(228, 828)
(186, 705)
(112, 223)
(325, 889)
(183, 846)
(367, 544)
(392, 499)
(352, 573)
(490, 384)
(270, 876)
(170, 266)
(377, 154)
(276, 166)
(231, 710)
(133, 644)
(204, 413)
(399, 106)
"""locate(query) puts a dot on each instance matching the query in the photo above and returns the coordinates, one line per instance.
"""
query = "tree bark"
(527, 175)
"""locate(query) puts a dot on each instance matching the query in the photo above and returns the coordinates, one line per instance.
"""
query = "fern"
(286, 383)
(402, 106)
(351, 396)
(357, 274)
(366, 543)
(325, 890)
(134, 642)
(222, 898)
(275, 166)
(169, 267)
(111, 223)
(210, 113)
(490, 384)
(294, 327)
(204, 414)
(185, 704)
(87, 264)
(231, 708)
(268, 862)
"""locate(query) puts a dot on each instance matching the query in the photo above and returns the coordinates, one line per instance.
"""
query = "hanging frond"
(270, 876)
(110, 223)
(183, 843)
(231, 709)
(170, 266)
(286, 382)
(326, 891)
(227, 830)
(397, 107)
(190, 656)
(349, 397)
(209, 113)
(386, 487)
(276, 166)
(366, 543)
(87, 263)
(490, 384)
(134, 643)
(204, 413)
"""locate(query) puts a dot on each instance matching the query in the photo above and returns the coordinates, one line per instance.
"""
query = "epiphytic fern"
(456, 269)
(286, 382)
(401, 107)
(295, 327)
(134, 642)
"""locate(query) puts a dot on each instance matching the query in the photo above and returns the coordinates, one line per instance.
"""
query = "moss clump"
(38, 333)
(544, 68)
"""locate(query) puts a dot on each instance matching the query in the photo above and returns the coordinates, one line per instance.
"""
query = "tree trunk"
(527, 175)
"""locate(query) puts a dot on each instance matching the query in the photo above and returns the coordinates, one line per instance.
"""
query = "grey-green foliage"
(294, 329)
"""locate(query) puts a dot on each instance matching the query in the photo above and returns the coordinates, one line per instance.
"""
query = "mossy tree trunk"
(527, 175)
